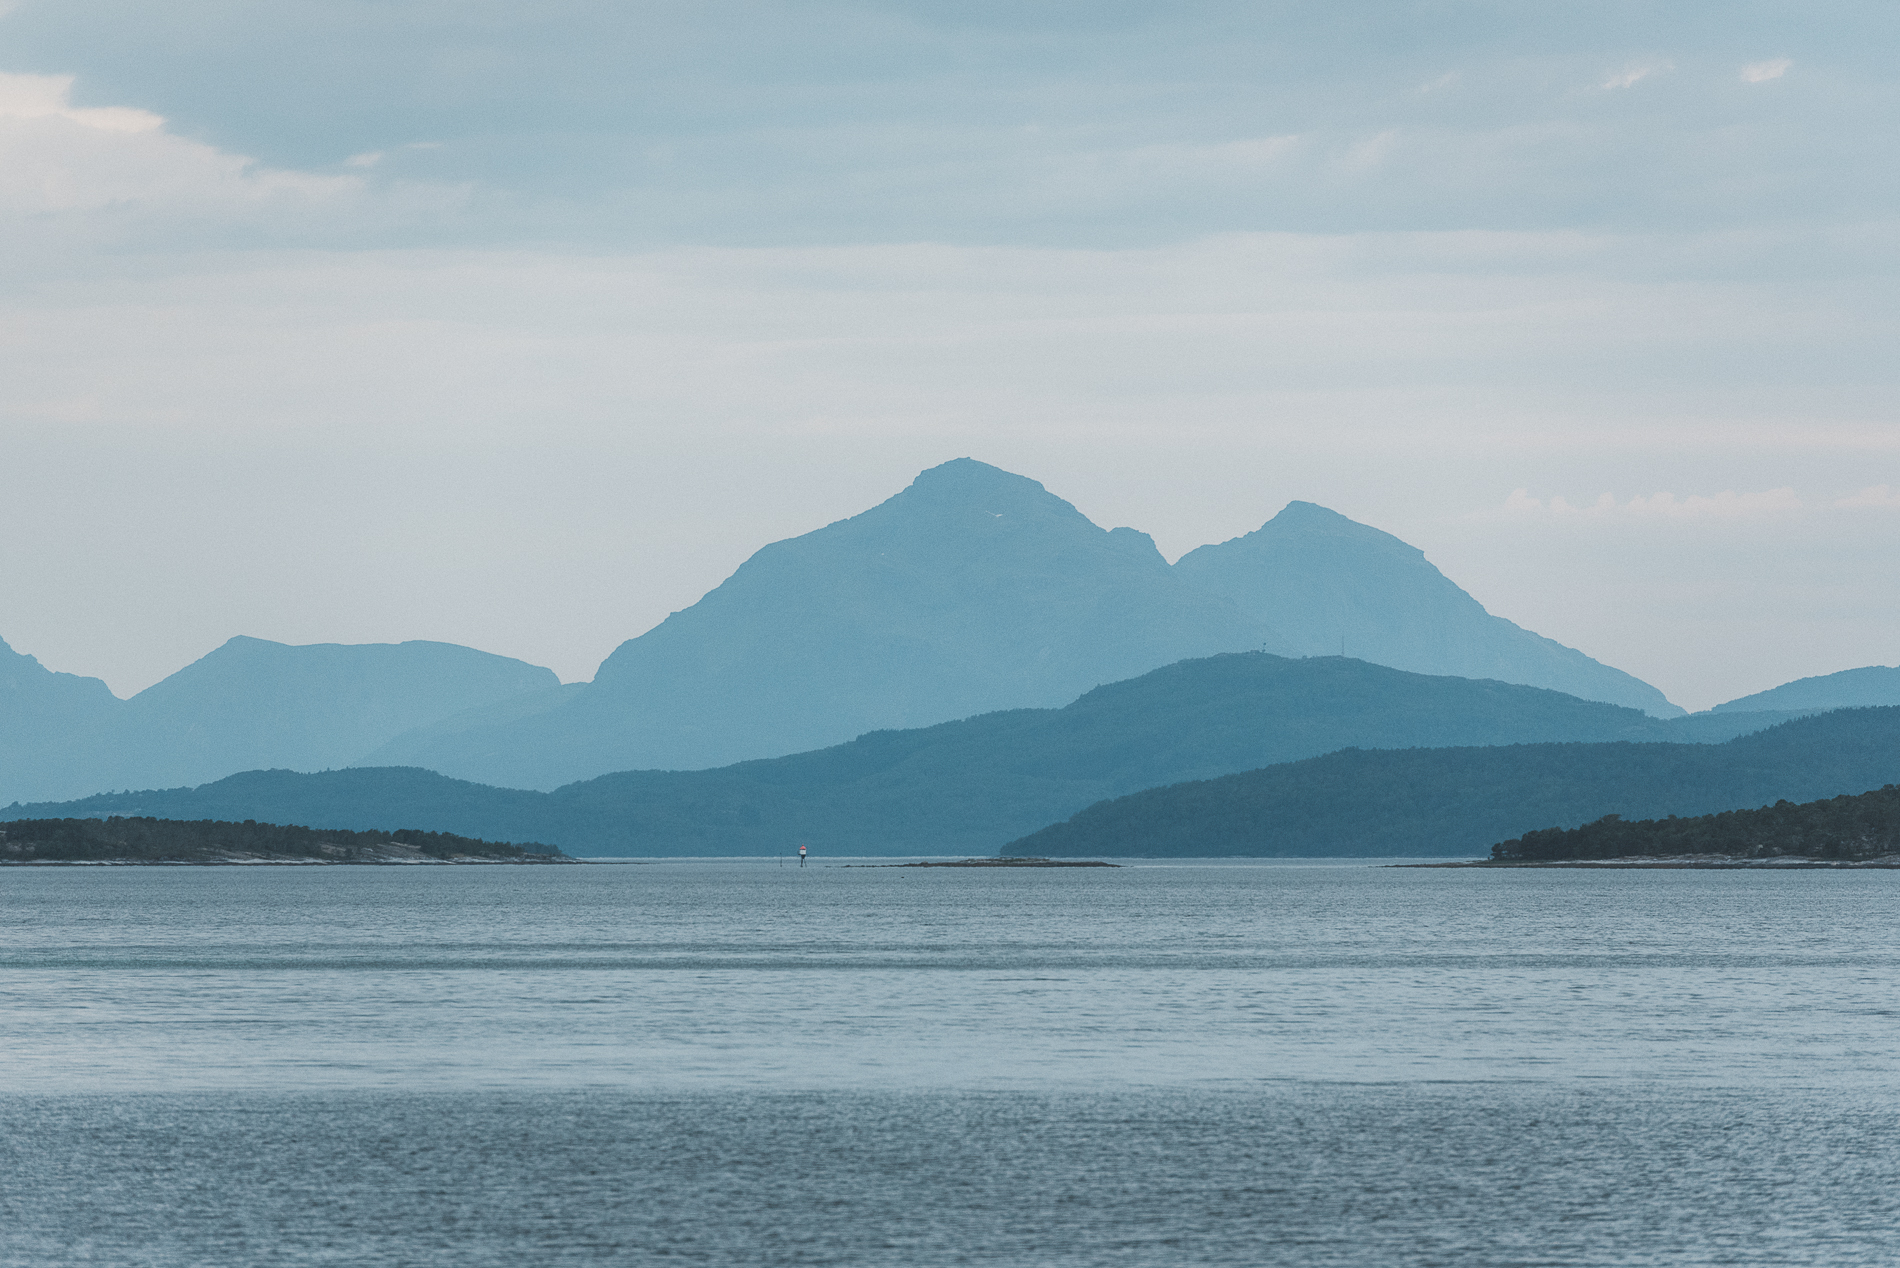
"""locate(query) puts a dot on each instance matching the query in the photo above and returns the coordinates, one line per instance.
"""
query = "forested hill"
(1840, 828)
(964, 787)
(1463, 800)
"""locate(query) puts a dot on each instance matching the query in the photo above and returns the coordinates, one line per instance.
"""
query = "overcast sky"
(522, 325)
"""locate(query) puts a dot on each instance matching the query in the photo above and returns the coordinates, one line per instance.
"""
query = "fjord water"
(745, 1063)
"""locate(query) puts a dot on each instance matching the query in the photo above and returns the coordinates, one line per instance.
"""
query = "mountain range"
(973, 590)
(1336, 587)
(970, 785)
(249, 703)
(1427, 801)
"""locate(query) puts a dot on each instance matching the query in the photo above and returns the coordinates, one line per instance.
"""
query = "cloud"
(1663, 505)
(63, 158)
(1762, 72)
(50, 97)
(1636, 73)
(1369, 153)
(1879, 495)
(78, 175)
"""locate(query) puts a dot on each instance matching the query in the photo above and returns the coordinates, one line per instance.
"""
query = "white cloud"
(1879, 495)
(50, 97)
(62, 158)
(1363, 156)
(1443, 81)
(1636, 73)
(1663, 505)
(70, 175)
(1762, 72)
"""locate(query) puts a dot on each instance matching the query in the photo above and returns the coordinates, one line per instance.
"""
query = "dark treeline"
(149, 840)
(1847, 827)
(1462, 800)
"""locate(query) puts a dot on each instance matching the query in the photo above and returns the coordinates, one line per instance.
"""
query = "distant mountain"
(976, 590)
(973, 590)
(51, 727)
(248, 704)
(1328, 583)
(960, 786)
(1850, 689)
(970, 591)
(254, 703)
(1465, 800)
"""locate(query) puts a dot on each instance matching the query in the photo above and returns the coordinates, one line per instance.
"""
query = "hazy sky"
(521, 325)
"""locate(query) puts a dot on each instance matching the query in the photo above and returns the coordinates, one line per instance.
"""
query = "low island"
(1002, 862)
(1857, 831)
(55, 842)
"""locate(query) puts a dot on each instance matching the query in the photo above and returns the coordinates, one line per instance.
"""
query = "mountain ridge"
(1333, 582)
(971, 590)
(1868, 686)
(968, 785)
(248, 702)
(1440, 801)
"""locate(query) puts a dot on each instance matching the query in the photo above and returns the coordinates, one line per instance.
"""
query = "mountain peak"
(1339, 587)
(973, 589)
(1310, 519)
(964, 484)
(969, 475)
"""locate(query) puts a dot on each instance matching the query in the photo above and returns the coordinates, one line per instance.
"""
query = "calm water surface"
(739, 1063)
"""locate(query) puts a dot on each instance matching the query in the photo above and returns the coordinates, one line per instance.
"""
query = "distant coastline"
(149, 842)
(1700, 862)
(394, 859)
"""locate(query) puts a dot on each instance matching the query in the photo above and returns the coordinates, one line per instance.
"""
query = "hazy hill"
(1327, 583)
(254, 703)
(1464, 800)
(1874, 685)
(51, 727)
(961, 786)
(970, 591)
(248, 704)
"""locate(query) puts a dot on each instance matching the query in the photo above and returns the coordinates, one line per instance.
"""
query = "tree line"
(147, 840)
(1862, 826)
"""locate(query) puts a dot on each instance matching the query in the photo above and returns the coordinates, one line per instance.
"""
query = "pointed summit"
(972, 590)
(1311, 520)
(968, 478)
(1334, 586)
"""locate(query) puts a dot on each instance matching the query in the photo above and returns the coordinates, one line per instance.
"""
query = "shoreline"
(995, 862)
(1686, 862)
(380, 858)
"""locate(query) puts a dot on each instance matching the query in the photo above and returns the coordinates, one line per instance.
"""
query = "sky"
(521, 326)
